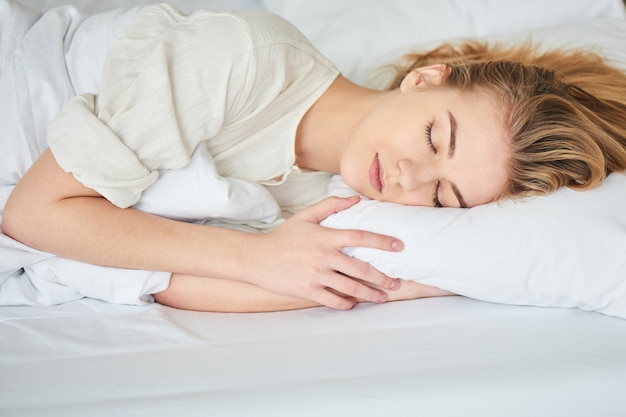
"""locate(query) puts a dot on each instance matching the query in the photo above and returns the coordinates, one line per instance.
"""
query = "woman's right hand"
(303, 259)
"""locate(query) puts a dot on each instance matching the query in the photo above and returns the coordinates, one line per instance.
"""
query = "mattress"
(450, 356)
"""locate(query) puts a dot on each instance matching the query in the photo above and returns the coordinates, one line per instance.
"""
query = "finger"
(411, 290)
(358, 290)
(354, 268)
(329, 298)
(331, 205)
(362, 238)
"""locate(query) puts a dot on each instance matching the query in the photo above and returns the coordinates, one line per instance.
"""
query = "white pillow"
(198, 192)
(566, 249)
(357, 34)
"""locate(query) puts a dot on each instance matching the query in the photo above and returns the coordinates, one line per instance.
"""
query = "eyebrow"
(458, 195)
(451, 149)
(452, 145)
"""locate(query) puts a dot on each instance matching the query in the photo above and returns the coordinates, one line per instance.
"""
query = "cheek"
(350, 169)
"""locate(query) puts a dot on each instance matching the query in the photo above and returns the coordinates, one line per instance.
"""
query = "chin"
(352, 176)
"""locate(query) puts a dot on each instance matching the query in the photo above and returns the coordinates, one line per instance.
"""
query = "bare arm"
(51, 211)
(217, 295)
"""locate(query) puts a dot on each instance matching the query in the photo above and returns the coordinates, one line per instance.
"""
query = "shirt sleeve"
(167, 85)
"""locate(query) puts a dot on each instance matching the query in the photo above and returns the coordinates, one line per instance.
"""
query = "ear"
(419, 77)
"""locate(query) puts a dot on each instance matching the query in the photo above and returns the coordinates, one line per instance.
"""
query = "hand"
(410, 290)
(303, 259)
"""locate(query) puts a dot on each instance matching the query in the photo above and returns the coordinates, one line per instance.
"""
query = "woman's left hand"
(410, 290)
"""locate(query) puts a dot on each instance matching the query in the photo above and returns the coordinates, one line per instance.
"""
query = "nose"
(413, 177)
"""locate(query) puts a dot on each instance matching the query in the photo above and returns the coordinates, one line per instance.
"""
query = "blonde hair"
(566, 110)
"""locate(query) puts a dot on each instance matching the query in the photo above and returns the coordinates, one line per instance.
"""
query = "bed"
(478, 355)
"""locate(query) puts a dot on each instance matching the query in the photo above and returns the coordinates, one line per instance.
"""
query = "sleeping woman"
(459, 127)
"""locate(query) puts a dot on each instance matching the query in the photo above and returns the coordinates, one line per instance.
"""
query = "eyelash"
(429, 140)
(436, 202)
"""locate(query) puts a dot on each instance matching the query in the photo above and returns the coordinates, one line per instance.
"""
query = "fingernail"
(382, 298)
(395, 284)
(397, 245)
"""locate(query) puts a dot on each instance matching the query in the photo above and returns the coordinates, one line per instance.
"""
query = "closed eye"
(429, 141)
(436, 202)
(429, 137)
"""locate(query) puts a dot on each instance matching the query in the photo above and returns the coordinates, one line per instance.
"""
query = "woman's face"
(429, 146)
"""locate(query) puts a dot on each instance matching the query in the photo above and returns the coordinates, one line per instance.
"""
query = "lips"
(376, 174)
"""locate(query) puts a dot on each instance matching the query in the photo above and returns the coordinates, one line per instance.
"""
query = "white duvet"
(46, 59)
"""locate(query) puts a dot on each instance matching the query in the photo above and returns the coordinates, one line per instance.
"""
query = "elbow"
(10, 220)
(32, 212)
(15, 222)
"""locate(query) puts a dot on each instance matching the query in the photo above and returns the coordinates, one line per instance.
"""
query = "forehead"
(482, 145)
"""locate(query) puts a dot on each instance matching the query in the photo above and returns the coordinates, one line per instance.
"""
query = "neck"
(326, 129)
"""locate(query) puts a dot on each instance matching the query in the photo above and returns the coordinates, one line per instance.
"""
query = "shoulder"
(266, 29)
(278, 45)
(236, 30)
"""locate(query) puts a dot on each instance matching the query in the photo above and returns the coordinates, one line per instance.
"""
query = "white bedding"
(445, 357)
(438, 357)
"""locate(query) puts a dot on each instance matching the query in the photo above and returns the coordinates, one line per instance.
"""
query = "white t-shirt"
(238, 83)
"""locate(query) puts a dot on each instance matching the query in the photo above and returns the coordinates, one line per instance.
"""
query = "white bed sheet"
(435, 357)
